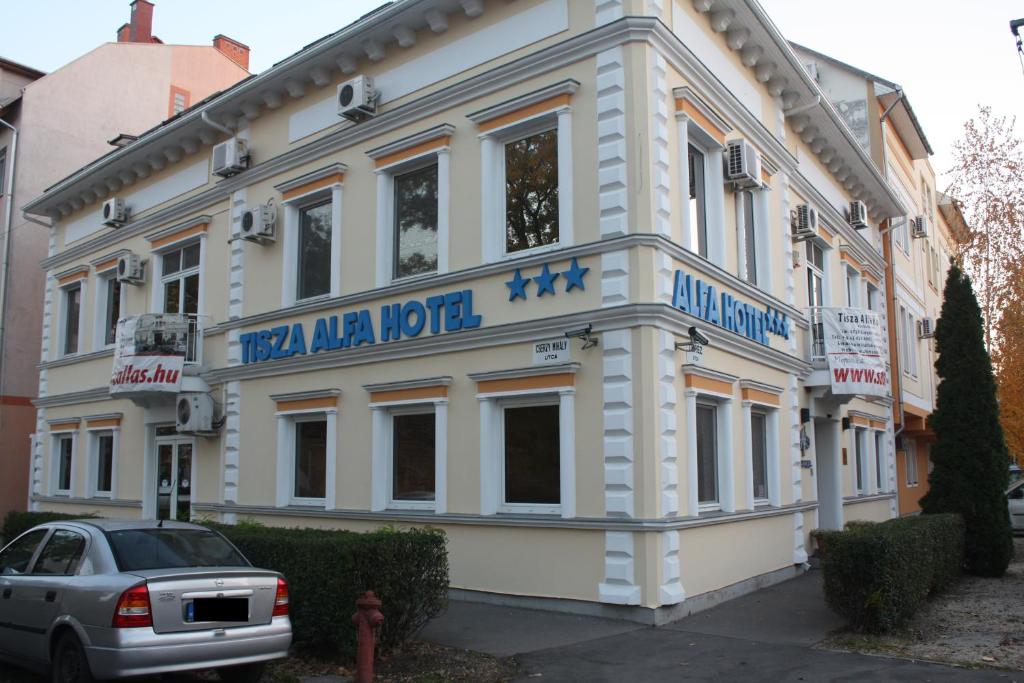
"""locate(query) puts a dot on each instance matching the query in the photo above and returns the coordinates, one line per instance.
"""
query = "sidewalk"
(768, 635)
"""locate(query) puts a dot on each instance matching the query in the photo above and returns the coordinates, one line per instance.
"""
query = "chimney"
(140, 28)
(232, 49)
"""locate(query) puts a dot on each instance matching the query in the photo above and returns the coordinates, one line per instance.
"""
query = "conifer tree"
(970, 473)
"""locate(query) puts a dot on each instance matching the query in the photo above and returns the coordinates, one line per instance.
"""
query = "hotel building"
(554, 277)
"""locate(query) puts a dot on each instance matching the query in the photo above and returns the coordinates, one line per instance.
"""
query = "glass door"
(174, 480)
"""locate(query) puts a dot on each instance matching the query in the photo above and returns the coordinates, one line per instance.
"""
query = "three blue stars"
(546, 281)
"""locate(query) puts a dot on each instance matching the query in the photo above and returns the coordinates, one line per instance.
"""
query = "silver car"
(108, 599)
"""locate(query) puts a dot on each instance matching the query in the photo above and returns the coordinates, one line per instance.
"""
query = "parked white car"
(1015, 499)
(112, 599)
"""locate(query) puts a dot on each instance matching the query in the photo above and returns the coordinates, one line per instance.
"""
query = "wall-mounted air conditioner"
(925, 328)
(357, 99)
(194, 413)
(919, 227)
(858, 214)
(259, 224)
(742, 165)
(130, 269)
(230, 157)
(806, 221)
(115, 212)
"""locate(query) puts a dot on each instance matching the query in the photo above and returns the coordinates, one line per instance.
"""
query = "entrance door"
(174, 479)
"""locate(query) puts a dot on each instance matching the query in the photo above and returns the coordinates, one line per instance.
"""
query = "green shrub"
(16, 523)
(328, 570)
(878, 575)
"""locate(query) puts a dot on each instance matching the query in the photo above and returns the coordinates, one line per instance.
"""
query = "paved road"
(765, 636)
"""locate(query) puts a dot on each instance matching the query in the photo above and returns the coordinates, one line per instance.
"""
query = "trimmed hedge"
(878, 575)
(328, 570)
(16, 523)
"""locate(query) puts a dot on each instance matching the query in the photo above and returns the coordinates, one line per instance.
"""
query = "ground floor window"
(910, 456)
(707, 454)
(64, 447)
(858, 449)
(530, 454)
(103, 463)
(879, 458)
(759, 451)
(310, 473)
(413, 439)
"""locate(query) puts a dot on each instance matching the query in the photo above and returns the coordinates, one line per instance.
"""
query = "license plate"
(217, 609)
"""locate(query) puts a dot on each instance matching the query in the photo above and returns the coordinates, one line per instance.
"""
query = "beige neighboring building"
(918, 250)
(482, 266)
(64, 120)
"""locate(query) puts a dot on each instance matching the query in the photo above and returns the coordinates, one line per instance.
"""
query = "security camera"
(586, 334)
(697, 337)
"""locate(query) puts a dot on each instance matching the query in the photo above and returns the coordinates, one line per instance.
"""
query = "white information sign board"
(856, 351)
(551, 352)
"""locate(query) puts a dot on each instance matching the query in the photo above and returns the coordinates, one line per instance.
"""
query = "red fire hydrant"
(366, 619)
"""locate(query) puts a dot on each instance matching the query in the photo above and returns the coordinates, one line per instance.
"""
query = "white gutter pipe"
(213, 124)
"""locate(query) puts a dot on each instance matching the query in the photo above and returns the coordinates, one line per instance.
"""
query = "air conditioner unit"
(357, 99)
(925, 328)
(130, 269)
(919, 227)
(742, 165)
(806, 224)
(259, 223)
(194, 413)
(858, 214)
(115, 212)
(230, 157)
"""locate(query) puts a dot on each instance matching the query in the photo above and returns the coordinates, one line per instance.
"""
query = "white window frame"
(103, 280)
(93, 460)
(881, 460)
(759, 212)
(286, 421)
(852, 276)
(290, 256)
(910, 458)
(872, 301)
(724, 450)
(909, 330)
(440, 157)
(861, 464)
(689, 133)
(160, 280)
(383, 413)
(80, 285)
(55, 441)
(492, 169)
(492, 450)
(773, 480)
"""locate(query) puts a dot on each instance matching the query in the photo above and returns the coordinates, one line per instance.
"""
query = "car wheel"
(69, 664)
(243, 673)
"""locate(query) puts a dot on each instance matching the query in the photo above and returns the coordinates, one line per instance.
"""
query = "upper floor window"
(874, 298)
(416, 222)
(64, 448)
(749, 237)
(109, 309)
(314, 251)
(72, 315)
(707, 454)
(531, 192)
(852, 288)
(815, 274)
(696, 162)
(309, 476)
(180, 278)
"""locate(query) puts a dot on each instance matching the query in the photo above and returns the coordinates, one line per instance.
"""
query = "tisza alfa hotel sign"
(701, 300)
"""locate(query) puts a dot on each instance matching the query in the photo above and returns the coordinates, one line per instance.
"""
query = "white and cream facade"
(417, 345)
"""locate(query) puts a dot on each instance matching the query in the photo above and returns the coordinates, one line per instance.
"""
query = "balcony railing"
(817, 334)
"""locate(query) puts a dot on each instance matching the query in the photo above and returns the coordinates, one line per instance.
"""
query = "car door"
(15, 561)
(51, 575)
(1015, 499)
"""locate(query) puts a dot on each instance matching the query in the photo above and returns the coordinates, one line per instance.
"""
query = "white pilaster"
(565, 177)
(670, 592)
(612, 171)
(619, 585)
(692, 492)
(667, 444)
(618, 422)
(661, 179)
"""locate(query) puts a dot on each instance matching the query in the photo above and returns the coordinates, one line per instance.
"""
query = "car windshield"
(137, 549)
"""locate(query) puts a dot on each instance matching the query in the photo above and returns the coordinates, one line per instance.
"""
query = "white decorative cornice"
(442, 381)
(178, 227)
(566, 87)
(305, 395)
(532, 371)
(443, 130)
(311, 177)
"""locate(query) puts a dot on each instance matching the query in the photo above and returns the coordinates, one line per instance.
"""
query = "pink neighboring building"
(64, 120)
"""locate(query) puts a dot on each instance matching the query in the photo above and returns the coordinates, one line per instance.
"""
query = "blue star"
(517, 286)
(574, 276)
(546, 281)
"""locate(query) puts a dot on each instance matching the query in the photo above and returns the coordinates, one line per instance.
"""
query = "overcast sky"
(949, 56)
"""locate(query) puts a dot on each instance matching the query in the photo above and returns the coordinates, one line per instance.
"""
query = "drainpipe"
(8, 206)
